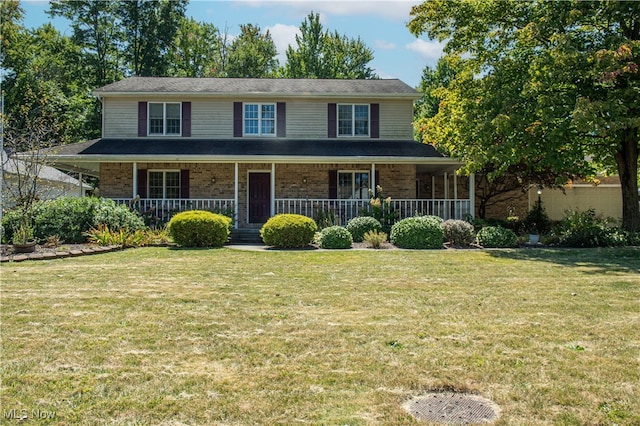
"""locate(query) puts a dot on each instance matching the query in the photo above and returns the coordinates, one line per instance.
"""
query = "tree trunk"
(627, 161)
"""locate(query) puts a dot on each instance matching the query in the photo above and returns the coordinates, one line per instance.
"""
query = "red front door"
(259, 197)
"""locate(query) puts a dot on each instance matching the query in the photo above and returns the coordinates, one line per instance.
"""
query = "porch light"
(304, 180)
(213, 179)
(539, 194)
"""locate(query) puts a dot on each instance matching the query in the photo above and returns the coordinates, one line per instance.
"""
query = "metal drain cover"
(452, 408)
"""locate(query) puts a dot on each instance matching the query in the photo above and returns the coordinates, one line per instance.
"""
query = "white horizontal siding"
(213, 118)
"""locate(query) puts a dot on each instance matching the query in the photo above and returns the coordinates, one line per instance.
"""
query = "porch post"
(373, 178)
(80, 191)
(273, 189)
(446, 197)
(472, 195)
(135, 179)
(236, 211)
(433, 187)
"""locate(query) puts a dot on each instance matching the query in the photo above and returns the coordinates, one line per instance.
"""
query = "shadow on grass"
(597, 260)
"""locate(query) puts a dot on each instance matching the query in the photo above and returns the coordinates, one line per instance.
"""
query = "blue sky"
(381, 24)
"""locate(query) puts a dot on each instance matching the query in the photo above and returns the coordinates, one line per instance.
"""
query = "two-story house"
(259, 147)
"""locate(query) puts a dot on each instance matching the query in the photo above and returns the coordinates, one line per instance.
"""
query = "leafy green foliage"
(586, 229)
(496, 237)
(358, 226)
(458, 232)
(334, 237)
(320, 54)
(288, 231)
(123, 238)
(252, 54)
(325, 218)
(380, 208)
(199, 228)
(71, 217)
(537, 220)
(419, 232)
(558, 85)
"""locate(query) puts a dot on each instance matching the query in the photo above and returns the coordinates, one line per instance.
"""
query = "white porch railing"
(163, 209)
(344, 210)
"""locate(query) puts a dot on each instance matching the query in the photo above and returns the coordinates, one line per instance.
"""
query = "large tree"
(252, 54)
(548, 87)
(197, 50)
(320, 54)
(149, 32)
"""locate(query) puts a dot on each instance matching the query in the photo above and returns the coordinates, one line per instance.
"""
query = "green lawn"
(225, 337)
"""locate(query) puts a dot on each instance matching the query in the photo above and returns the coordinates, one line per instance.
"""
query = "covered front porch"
(252, 192)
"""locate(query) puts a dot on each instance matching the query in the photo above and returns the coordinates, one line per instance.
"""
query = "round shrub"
(335, 237)
(420, 232)
(496, 237)
(458, 232)
(288, 231)
(358, 226)
(199, 228)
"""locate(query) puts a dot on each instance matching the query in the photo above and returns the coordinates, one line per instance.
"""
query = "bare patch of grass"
(159, 336)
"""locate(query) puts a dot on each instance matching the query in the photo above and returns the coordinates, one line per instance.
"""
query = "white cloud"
(429, 50)
(385, 45)
(283, 36)
(397, 10)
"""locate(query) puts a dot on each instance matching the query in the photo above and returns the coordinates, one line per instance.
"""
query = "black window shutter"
(142, 119)
(184, 183)
(186, 119)
(142, 183)
(237, 119)
(281, 125)
(332, 124)
(377, 175)
(333, 184)
(375, 120)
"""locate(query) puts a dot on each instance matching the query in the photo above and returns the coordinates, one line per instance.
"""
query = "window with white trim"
(164, 118)
(353, 120)
(353, 185)
(164, 184)
(259, 119)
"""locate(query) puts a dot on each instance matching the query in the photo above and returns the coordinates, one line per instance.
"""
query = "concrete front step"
(245, 236)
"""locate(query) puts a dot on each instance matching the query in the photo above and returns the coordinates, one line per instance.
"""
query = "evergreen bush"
(199, 228)
(458, 232)
(358, 226)
(335, 237)
(288, 231)
(419, 232)
(496, 237)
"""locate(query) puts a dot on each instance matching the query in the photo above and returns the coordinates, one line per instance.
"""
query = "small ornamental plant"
(199, 228)
(334, 237)
(497, 237)
(288, 231)
(458, 232)
(375, 238)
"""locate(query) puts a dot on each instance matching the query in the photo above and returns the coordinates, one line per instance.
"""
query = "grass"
(224, 337)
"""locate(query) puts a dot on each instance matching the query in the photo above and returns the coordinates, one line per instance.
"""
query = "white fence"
(162, 209)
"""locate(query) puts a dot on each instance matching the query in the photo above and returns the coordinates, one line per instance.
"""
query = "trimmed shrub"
(496, 237)
(335, 237)
(458, 232)
(420, 232)
(586, 229)
(70, 218)
(288, 231)
(358, 226)
(199, 228)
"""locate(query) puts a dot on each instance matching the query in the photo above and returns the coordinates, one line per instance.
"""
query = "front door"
(259, 197)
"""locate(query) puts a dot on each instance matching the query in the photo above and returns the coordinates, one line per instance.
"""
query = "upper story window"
(164, 118)
(260, 119)
(353, 120)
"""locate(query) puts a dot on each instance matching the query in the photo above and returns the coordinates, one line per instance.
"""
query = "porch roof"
(88, 155)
